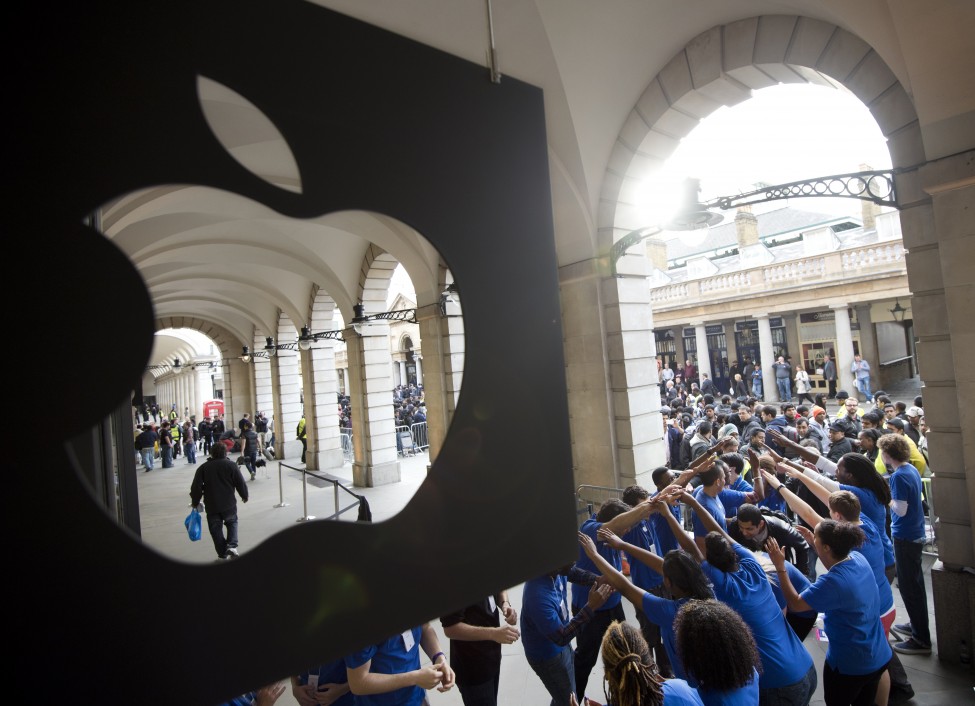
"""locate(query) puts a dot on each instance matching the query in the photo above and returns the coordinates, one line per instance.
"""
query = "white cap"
(915, 412)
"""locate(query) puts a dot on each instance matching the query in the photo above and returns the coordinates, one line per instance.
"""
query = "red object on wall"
(213, 408)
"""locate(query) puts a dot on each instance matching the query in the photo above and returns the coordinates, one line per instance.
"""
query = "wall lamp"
(307, 338)
(247, 356)
(692, 214)
(897, 311)
(176, 368)
(360, 321)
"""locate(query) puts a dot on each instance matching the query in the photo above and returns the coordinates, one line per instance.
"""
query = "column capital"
(695, 324)
(763, 315)
(838, 306)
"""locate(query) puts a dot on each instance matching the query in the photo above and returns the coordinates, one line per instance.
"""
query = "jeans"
(484, 694)
(651, 633)
(757, 389)
(147, 454)
(785, 389)
(798, 694)
(166, 452)
(250, 459)
(863, 385)
(190, 451)
(589, 640)
(910, 580)
(557, 675)
(216, 521)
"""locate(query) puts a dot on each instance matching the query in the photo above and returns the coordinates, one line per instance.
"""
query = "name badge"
(408, 642)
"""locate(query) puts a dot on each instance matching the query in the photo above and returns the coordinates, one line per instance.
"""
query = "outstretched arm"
(607, 537)
(792, 598)
(622, 523)
(616, 579)
(788, 444)
(686, 542)
(798, 505)
(710, 524)
(815, 487)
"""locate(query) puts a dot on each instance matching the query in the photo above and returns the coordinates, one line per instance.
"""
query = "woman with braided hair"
(631, 677)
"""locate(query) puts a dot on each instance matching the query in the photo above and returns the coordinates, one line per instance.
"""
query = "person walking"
(205, 430)
(301, 435)
(166, 444)
(189, 443)
(248, 447)
(803, 386)
(215, 482)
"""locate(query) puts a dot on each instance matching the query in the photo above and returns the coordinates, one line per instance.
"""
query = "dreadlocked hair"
(629, 671)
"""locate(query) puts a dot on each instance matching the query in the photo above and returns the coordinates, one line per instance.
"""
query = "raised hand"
(609, 538)
(599, 594)
(769, 451)
(775, 553)
(774, 483)
(510, 615)
(807, 534)
(588, 546)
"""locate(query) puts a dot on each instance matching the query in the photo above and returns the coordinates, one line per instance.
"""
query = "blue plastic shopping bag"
(194, 524)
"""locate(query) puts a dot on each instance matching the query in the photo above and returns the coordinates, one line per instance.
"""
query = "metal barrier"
(405, 441)
(336, 486)
(589, 498)
(419, 431)
(348, 452)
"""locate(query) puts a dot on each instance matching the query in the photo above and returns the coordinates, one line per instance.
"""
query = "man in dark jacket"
(757, 526)
(215, 482)
(839, 442)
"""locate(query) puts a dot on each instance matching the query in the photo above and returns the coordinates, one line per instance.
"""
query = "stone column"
(442, 338)
(418, 359)
(844, 348)
(320, 385)
(703, 354)
(202, 391)
(373, 433)
(767, 353)
(401, 372)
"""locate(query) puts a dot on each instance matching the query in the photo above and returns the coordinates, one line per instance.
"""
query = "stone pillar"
(767, 353)
(844, 349)
(939, 233)
(202, 391)
(703, 354)
(868, 349)
(401, 369)
(320, 385)
(418, 359)
(373, 432)
(263, 387)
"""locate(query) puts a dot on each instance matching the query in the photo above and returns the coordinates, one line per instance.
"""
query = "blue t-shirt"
(331, 673)
(732, 500)
(873, 509)
(799, 581)
(873, 551)
(544, 610)
(661, 612)
(847, 596)
(744, 696)
(713, 507)
(773, 500)
(663, 537)
(391, 657)
(784, 658)
(580, 594)
(641, 535)
(678, 692)
(905, 484)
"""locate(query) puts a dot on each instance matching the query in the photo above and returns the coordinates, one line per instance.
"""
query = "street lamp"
(897, 311)
(692, 214)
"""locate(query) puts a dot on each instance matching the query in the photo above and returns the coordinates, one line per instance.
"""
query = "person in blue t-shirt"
(858, 652)
(389, 673)
(682, 576)
(547, 630)
(326, 683)
(632, 677)
(789, 672)
(908, 530)
(709, 628)
(265, 696)
(620, 518)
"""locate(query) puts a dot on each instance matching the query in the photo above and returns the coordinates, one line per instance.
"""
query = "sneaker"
(232, 554)
(903, 630)
(911, 646)
(253, 476)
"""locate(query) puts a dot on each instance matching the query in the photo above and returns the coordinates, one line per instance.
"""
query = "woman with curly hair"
(719, 653)
(789, 674)
(858, 652)
(631, 677)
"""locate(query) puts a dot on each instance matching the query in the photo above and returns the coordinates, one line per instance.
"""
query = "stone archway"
(719, 67)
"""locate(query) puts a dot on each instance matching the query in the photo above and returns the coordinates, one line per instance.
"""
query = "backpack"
(685, 450)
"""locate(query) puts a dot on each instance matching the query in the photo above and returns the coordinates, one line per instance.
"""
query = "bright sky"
(784, 133)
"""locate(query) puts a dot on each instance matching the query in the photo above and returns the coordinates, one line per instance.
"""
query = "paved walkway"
(279, 500)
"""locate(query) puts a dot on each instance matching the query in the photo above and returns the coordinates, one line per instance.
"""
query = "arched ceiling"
(221, 258)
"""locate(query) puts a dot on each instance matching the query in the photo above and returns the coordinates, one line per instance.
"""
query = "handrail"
(336, 484)
(896, 361)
